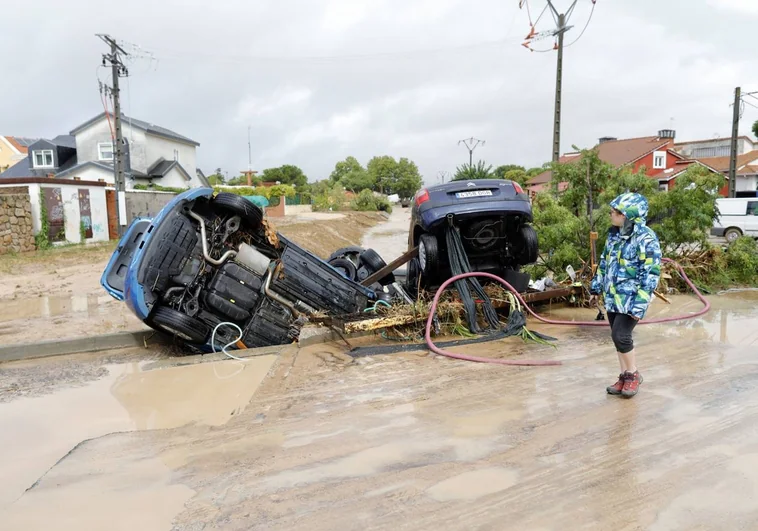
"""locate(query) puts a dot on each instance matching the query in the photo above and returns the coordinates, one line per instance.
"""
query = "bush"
(268, 192)
(366, 201)
(159, 188)
(742, 260)
(332, 199)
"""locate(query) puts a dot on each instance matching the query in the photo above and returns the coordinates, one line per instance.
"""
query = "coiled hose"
(441, 352)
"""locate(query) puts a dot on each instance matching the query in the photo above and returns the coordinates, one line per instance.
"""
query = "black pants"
(621, 331)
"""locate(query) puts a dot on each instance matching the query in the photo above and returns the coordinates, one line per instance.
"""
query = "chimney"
(667, 133)
(605, 139)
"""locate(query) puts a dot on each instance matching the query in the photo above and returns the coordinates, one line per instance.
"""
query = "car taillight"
(422, 197)
(518, 188)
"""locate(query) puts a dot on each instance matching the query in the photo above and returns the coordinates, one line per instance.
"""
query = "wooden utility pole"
(117, 70)
(733, 148)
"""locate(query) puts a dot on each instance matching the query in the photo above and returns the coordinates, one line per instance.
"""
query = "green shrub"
(742, 260)
(159, 188)
(332, 199)
(366, 201)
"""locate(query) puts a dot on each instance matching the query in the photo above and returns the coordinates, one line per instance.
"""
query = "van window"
(752, 208)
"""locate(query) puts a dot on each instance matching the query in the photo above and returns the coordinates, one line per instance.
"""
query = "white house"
(154, 154)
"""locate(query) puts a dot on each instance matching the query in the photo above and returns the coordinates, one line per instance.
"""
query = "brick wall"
(16, 234)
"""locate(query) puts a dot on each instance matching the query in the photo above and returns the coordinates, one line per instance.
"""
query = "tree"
(216, 178)
(755, 128)
(286, 174)
(382, 170)
(343, 167)
(501, 171)
(518, 176)
(242, 181)
(407, 179)
(469, 172)
(688, 210)
(356, 180)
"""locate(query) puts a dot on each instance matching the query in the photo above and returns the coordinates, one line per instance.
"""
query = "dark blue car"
(210, 264)
(493, 217)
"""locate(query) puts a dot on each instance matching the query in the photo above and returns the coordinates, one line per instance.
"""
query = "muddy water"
(52, 306)
(37, 432)
(390, 238)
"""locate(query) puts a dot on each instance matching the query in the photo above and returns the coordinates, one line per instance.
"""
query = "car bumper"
(435, 216)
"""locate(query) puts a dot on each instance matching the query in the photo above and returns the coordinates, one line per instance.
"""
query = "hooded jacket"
(630, 266)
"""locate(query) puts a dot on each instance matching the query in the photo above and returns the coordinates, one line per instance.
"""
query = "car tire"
(527, 247)
(180, 325)
(732, 234)
(352, 253)
(428, 255)
(344, 266)
(249, 212)
(412, 277)
(373, 262)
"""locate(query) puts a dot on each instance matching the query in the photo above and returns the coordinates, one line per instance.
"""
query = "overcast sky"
(319, 80)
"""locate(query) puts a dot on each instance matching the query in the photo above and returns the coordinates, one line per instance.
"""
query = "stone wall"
(16, 233)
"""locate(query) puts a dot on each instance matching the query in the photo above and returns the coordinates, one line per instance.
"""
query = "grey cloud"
(223, 66)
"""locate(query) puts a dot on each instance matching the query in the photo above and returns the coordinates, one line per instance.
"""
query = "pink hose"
(441, 352)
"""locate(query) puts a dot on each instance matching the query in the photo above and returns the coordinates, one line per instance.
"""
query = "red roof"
(615, 152)
(16, 144)
(722, 163)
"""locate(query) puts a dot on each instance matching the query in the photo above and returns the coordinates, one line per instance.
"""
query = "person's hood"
(633, 206)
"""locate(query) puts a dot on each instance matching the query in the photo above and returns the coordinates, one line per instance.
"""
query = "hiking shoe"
(616, 388)
(632, 383)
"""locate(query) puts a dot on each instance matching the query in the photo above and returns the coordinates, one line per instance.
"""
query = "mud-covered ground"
(316, 439)
(57, 294)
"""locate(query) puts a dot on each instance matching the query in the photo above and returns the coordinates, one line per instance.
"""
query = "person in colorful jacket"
(628, 273)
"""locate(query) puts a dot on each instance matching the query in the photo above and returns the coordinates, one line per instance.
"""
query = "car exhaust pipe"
(297, 307)
(226, 256)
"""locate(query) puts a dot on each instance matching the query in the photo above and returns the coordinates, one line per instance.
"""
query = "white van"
(738, 217)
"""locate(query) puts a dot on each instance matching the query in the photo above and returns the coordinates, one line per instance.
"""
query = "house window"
(659, 160)
(43, 158)
(176, 155)
(105, 151)
(663, 187)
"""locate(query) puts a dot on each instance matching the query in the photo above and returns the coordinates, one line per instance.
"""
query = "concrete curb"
(60, 347)
(119, 340)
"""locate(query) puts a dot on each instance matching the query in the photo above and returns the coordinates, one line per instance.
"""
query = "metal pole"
(558, 88)
(733, 148)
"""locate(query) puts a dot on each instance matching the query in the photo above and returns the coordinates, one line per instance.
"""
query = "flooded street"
(410, 441)
(316, 439)
(390, 239)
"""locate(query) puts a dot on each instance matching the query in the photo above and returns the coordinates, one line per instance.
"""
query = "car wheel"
(352, 253)
(732, 234)
(428, 255)
(180, 325)
(412, 277)
(249, 212)
(374, 263)
(344, 266)
(527, 247)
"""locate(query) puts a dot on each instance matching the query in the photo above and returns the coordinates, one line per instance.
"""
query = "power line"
(471, 144)
(560, 30)
(118, 69)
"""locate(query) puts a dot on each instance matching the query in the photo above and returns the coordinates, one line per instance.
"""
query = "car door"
(751, 219)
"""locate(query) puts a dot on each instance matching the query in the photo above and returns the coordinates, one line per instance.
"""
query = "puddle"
(38, 431)
(53, 306)
(390, 239)
(474, 484)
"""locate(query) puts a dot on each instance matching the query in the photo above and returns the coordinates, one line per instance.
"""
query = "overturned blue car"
(211, 266)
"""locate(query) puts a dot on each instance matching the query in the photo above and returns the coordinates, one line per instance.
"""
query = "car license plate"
(473, 193)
